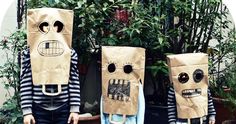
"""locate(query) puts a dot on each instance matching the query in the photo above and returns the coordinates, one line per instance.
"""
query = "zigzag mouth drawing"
(50, 48)
(189, 93)
(119, 89)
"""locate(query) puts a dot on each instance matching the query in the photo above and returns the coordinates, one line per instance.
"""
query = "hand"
(29, 119)
(211, 121)
(74, 117)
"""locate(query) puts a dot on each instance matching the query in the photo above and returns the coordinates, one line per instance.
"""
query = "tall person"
(50, 88)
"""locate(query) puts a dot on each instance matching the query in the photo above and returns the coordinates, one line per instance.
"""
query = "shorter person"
(122, 99)
(189, 99)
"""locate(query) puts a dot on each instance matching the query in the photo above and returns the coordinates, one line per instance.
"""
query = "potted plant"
(227, 102)
(222, 80)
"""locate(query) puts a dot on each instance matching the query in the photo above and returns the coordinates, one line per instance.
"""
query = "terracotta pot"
(222, 112)
(229, 122)
(90, 120)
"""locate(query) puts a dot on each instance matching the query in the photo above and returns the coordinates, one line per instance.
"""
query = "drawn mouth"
(119, 89)
(50, 48)
(188, 93)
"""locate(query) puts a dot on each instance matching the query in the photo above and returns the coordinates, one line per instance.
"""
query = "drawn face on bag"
(189, 74)
(122, 70)
(49, 38)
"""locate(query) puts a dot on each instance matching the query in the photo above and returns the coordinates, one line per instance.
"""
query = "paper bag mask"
(122, 71)
(189, 75)
(49, 38)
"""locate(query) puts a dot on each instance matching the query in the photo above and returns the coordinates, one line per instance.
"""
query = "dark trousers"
(194, 120)
(58, 116)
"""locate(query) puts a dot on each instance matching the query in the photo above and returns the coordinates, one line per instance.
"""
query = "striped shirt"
(32, 94)
(172, 111)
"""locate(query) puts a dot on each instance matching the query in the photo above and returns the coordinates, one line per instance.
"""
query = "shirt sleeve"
(26, 83)
(74, 84)
(211, 108)
(171, 102)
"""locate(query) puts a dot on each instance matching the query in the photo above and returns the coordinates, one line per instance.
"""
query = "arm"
(141, 103)
(26, 87)
(211, 109)
(171, 106)
(74, 89)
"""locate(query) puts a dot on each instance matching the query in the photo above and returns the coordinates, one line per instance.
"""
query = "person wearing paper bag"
(49, 83)
(122, 99)
(189, 100)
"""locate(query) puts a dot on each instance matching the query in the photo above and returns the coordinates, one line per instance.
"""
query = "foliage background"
(162, 27)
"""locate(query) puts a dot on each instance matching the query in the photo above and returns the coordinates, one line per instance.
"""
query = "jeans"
(58, 116)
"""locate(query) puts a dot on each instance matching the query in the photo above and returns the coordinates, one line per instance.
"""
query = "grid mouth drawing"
(119, 89)
(50, 48)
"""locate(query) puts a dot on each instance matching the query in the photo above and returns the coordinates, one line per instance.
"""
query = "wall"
(8, 25)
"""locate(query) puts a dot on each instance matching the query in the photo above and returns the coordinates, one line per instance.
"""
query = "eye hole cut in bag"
(122, 71)
(49, 37)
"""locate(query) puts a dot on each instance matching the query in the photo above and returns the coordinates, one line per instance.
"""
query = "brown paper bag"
(189, 75)
(122, 70)
(49, 38)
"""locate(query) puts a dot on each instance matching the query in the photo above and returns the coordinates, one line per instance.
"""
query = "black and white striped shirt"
(32, 94)
(172, 111)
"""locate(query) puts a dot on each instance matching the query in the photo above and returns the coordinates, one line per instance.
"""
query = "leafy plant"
(10, 72)
(222, 54)
(10, 112)
(228, 95)
(162, 27)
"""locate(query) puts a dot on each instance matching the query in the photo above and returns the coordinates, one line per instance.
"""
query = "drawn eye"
(58, 26)
(128, 69)
(183, 77)
(198, 75)
(111, 67)
(44, 27)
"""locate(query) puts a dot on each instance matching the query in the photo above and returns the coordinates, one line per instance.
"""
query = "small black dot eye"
(198, 75)
(44, 27)
(128, 69)
(58, 26)
(111, 67)
(183, 77)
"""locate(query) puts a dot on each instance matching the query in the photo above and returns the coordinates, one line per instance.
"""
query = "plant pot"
(90, 120)
(222, 112)
(2, 121)
(229, 122)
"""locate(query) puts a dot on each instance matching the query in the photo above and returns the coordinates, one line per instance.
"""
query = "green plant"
(228, 94)
(223, 84)
(222, 54)
(162, 27)
(10, 72)
(222, 58)
(96, 24)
